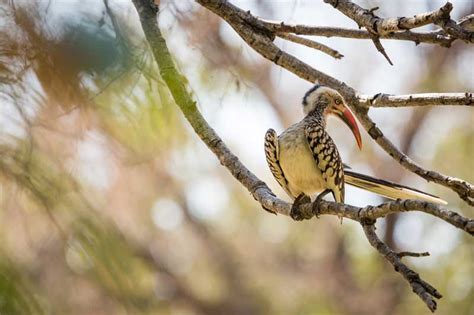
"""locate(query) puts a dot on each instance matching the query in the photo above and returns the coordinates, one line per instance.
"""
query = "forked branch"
(424, 290)
(378, 27)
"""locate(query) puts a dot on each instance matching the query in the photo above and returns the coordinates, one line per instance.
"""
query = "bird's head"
(323, 101)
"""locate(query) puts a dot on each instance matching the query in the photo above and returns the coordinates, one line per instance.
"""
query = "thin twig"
(412, 254)
(381, 49)
(312, 44)
(433, 37)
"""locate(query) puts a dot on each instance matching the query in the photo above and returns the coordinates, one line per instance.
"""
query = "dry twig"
(424, 290)
(312, 44)
(434, 37)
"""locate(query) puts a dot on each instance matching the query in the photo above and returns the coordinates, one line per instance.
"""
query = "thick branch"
(376, 25)
(424, 290)
(456, 30)
(467, 23)
(380, 26)
(425, 99)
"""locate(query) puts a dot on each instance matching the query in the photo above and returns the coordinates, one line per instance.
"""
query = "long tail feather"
(388, 189)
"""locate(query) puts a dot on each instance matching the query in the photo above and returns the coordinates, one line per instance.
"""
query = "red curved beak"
(347, 117)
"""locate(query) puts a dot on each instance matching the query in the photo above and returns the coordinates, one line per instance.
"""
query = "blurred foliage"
(100, 253)
(109, 204)
(16, 295)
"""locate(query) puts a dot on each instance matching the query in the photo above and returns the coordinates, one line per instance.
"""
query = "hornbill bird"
(304, 159)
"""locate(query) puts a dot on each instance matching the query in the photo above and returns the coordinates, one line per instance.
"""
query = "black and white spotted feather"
(327, 159)
(272, 157)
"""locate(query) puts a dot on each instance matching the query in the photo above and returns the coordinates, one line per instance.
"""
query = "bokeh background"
(110, 204)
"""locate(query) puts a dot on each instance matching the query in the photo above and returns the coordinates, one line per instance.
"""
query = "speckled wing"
(327, 159)
(272, 153)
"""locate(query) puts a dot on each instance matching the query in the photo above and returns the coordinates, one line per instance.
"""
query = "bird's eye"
(338, 102)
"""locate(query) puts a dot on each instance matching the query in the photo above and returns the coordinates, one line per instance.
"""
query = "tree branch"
(412, 254)
(464, 189)
(377, 26)
(312, 44)
(435, 37)
(372, 213)
(424, 290)
(425, 99)
(457, 30)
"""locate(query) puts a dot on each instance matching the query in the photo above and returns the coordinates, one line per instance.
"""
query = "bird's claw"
(295, 212)
(315, 207)
(269, 210)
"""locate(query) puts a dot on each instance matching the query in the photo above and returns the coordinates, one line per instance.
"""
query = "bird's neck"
(317, 116)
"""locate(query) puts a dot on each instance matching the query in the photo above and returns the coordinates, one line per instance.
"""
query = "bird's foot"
(295, 212)
(316, 202)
